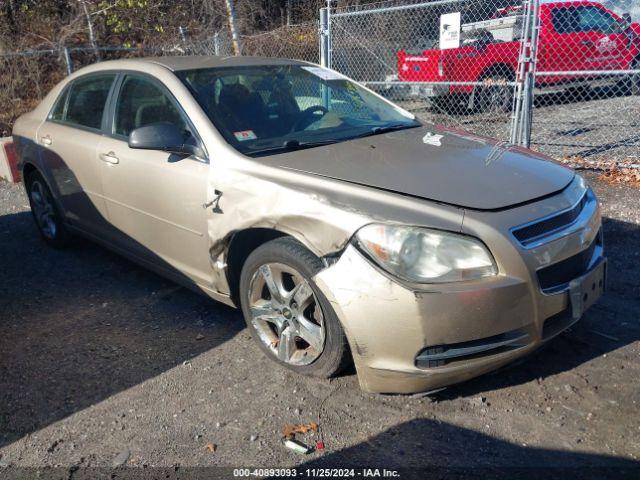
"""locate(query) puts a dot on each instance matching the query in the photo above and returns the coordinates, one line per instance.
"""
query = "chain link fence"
(27, 76)
(449, 61)
(560, 76)
(587, 87)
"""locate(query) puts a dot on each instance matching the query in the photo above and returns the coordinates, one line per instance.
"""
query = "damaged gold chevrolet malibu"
(343, 227)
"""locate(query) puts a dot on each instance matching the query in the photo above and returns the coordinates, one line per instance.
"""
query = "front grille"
(550, 225)
(440, 355)
(557, 276)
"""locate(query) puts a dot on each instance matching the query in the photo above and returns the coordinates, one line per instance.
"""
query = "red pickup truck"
(574, 35)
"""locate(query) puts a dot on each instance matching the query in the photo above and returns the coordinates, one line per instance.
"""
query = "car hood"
(435, 163)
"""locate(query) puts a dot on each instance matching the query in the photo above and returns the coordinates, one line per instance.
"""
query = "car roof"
(177, 63)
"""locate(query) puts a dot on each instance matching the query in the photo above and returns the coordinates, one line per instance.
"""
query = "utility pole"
(92, 37)
(235, 39)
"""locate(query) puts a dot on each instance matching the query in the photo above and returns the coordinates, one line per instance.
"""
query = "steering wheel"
(306, 117)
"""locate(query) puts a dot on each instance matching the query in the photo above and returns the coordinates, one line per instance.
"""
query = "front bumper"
(415, 338)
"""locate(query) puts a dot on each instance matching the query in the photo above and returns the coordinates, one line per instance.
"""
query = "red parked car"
(574, 35)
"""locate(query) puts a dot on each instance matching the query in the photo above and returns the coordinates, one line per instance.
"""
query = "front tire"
(45, 212)
(288, 316)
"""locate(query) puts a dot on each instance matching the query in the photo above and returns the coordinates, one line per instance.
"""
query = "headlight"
(423, 255)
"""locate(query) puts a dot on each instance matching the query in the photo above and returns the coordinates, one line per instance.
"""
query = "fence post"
(67, 60)
(523, 101)
(531, 76)
(216, 43)
(325, 49)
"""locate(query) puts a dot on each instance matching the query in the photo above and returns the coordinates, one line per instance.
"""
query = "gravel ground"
(103, 363)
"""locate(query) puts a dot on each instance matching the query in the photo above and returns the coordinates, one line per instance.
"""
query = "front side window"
(269, 108)
(87, 99)
(141, 103)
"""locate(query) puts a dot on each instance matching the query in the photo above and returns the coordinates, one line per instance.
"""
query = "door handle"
(109, 158)
(587, 43)
(46, 140)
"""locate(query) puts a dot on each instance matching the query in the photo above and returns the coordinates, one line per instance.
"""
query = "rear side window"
(142, 103)
(58, 111)
(87, 99)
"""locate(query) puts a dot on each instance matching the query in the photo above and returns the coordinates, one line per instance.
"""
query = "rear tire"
(495, 95)
(635, 78)
(45, 212)
(630, 85)
(306, 336)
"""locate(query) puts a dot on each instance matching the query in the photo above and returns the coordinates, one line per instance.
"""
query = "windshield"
(267, 109)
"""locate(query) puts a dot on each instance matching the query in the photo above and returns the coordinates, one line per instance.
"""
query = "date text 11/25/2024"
(317, 472)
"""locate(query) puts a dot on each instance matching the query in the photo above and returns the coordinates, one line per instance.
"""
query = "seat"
(243, 109)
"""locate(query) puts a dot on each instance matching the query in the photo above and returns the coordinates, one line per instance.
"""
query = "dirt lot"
(103, 363)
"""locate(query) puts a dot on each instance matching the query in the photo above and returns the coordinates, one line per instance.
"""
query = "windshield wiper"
(388, 128)
(291, 145)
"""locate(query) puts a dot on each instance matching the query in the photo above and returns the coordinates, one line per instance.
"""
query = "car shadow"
(424, 448)
(82, 324)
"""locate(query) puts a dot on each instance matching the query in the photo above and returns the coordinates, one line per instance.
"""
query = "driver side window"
(141, 103)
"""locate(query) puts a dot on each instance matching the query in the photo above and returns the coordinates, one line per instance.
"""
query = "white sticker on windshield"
(433, 139)
(324, 73)
(245, 135)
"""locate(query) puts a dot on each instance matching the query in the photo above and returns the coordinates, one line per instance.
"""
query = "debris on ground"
(212, 447)
(199, 336)
(296, 446)
(289, 437)
(291, 429)
(622, 175)
(621, 171)
(478, 401)
(54, 445)
(121, 458)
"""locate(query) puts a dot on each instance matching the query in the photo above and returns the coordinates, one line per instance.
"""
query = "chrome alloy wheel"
(43, 209)
(286, 314)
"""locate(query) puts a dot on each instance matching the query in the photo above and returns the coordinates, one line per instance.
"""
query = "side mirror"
(626, 22)
(165, 137)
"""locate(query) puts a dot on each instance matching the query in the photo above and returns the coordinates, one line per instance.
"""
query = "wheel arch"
(240, 246)
(499, 68)
(28, 169)
(241, 243)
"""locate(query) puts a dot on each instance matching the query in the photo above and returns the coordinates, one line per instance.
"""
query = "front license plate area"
(586, 290)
